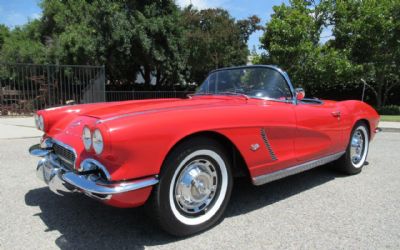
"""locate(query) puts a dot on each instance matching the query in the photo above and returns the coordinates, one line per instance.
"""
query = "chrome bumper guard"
(62, 180)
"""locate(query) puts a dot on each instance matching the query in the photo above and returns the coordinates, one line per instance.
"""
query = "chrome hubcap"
(357, 146)
(196, 186)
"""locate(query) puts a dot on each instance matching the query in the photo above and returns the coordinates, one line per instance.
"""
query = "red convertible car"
(180, 156)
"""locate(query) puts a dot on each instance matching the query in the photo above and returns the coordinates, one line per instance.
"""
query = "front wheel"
(194, 189)
(357, 150)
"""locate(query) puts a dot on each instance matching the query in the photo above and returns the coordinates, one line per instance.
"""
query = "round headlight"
(98, 144)
(87, 138)
(41, 123)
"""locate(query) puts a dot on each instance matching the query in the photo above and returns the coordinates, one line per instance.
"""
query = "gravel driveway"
(318, 209)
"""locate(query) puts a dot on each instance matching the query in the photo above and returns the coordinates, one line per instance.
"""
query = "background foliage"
(153, 44)
(364, 49)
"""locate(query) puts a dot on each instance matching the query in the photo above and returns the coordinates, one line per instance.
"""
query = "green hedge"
(389, 110)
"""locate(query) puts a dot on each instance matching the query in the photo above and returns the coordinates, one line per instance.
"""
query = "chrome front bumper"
(62, 180)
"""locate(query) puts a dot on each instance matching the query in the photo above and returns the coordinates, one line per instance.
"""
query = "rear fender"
(354, 111)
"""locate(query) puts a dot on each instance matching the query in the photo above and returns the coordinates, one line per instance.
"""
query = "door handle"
(336, 114)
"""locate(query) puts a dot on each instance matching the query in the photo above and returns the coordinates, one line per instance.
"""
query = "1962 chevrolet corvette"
(179, 156)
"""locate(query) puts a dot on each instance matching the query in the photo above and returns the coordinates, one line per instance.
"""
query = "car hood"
(118, 109)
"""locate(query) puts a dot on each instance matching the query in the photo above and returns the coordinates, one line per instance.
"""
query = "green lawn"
(390, 118)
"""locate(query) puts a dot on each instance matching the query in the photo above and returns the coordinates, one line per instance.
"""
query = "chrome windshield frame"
(273, 67)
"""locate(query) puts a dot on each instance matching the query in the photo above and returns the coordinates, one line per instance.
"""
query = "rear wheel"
(194, 189)
(357, 150)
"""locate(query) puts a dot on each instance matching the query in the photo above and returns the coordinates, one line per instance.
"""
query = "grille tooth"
(268, 145)
(66, 156)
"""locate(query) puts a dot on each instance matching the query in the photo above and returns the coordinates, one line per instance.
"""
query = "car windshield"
(257, 82)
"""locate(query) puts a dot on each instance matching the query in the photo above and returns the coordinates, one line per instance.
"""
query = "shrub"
(389, 110)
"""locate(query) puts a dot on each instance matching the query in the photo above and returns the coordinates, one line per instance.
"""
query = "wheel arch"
(367, 123)
(239, 167)
(359, 111)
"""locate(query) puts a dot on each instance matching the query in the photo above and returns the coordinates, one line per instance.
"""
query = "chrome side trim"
(268, 145)
(262, 179)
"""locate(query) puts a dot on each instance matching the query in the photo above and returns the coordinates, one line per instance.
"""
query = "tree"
(365, 47)
(90, 33)
(22, 45)
(215, 39)
(126, 36)
(368, 31)
(291, 40)
(4, 33)
(158, 42)
(152, 43)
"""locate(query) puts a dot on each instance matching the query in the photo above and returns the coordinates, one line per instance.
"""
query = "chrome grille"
(66, 156)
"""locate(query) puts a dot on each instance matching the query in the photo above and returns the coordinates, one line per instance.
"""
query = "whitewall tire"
(356, 154)
(194, 189)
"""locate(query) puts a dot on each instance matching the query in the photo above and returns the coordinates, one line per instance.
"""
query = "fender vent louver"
(267, 145)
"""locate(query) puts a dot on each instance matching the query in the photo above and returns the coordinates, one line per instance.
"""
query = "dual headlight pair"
(94, 140)
(39, 122)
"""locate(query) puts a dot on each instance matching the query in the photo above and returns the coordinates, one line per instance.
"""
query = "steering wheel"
(258, 93)
(275, 92)
(271, 92)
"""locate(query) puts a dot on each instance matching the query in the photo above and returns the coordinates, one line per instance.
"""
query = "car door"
(277, 113)
(318, 132)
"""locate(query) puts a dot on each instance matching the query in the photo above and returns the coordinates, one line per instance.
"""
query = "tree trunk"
(378, 90)
(379, 94)
(158, 80)
(387, 92)
(147, 75)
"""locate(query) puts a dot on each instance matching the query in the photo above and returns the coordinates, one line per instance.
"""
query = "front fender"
(140, 143)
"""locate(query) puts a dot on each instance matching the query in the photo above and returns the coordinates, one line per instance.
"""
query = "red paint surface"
(139, 134)
(130, 199)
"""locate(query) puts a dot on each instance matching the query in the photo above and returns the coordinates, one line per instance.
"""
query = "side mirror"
(300, 93)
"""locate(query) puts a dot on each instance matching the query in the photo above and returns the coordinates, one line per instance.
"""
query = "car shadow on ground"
(85, 223)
